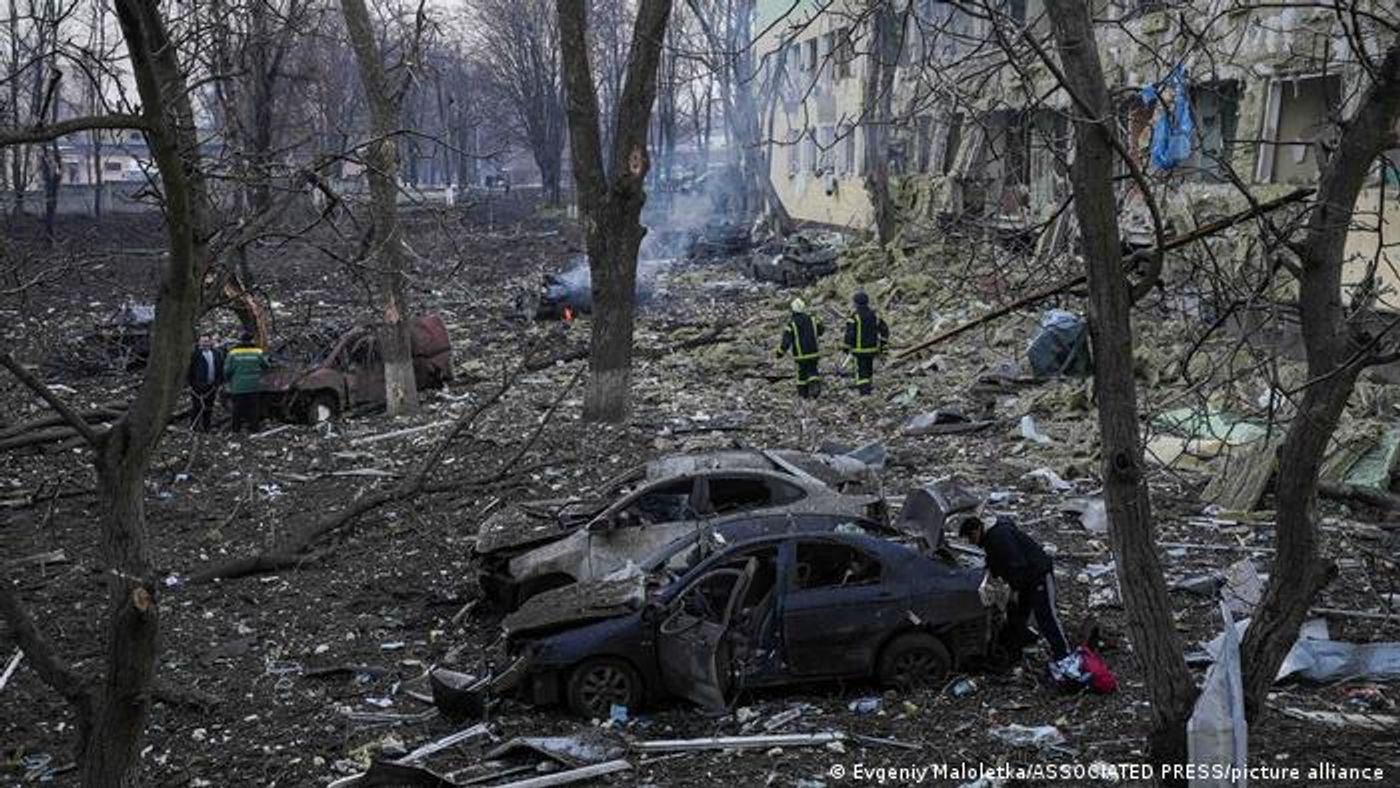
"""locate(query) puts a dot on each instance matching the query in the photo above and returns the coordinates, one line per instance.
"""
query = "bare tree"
(1338, 349)
(1155, 641)
(728, 29)
(519, 47)
(610, 193)
(382, 160)
(112, 714)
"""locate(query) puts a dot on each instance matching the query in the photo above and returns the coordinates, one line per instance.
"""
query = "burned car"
(570, 292)
(351, 373)
(770, 611)
(541, 545)
(800, 260)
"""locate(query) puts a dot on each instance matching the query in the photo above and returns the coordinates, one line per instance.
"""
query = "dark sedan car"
(774, 610)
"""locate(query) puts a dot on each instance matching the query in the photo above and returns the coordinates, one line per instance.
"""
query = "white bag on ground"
(1217, 732)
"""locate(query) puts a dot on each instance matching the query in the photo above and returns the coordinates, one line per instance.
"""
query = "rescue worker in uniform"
(866, 337)
(243, 368)
(800, 337)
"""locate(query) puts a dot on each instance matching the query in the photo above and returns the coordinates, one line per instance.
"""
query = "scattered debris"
(1092, 513)
(1217, 732)
(1061, 347)
(11, 667)
(1039, 736)
(740, 742)
(944, 421)
(1336, 719)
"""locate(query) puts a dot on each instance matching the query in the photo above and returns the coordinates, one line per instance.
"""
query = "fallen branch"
(293, 552)
(74, 419)
(1353, 494)
(1177, 242)
(43, 659)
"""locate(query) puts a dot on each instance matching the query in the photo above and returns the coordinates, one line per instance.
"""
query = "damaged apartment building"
(980, 135)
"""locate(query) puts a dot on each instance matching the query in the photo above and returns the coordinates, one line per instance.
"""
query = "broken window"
(112, 166)
(827, 142)
(952, 138)
(1299, 127)
(828, 564)
(845, 53)
(666, 503)
(736, 494)
(794, 157)
(810, 143)
(925, 142)
(809, 54)
(1216, 106)
(848, 149)
(708, 599)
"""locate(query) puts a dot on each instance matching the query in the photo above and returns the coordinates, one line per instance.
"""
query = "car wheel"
(324, 406)
(601, 683)
(914, 660)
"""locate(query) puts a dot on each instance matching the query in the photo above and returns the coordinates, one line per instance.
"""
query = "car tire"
(598, 684)
(323, 406)
(914, 660)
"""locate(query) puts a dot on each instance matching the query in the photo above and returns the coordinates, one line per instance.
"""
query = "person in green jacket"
(243, 368)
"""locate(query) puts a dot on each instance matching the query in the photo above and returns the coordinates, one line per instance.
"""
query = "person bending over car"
(1023, 564)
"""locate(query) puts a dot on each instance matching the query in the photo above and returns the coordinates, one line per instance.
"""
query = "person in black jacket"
(866, 337)
(205, 376)
(1022, 563)
(800, 336)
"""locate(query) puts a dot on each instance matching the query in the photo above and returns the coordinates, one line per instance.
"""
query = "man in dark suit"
(206, 375)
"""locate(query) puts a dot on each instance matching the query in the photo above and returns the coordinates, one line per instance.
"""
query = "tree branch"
(42, 656)
(32, 134)
(74, 419)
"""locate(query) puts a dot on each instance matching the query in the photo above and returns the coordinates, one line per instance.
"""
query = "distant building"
(969, 145)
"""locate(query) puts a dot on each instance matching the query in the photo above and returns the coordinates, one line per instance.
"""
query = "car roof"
(890, 552)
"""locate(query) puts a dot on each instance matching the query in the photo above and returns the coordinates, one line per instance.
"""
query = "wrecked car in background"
(351, 373)
(801, 259)
(539, 545)
(570, 292)
(718, 240)
(766, 612)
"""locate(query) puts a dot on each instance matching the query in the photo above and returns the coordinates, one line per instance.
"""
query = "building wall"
(817, 153)
(1260, 104)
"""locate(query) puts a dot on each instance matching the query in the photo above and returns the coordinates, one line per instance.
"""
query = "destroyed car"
(572, 289)
(719, 240)
(541, 545)
(351, 373)
(767, 612)
(800, 260)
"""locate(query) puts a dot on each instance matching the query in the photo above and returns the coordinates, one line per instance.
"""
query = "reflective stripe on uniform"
(859, 347)
(797, 352)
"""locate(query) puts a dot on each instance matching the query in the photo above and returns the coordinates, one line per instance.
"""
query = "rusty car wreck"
(351, 373)
(542, 545)
(770, 611)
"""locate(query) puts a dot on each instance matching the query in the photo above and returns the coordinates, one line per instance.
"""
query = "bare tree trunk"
(877, 109)
(1155, 641)
(395, 340)
(741, 110)
(610, 198)
(1334, 358)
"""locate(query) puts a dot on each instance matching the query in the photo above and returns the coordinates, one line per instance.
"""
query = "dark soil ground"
(252, 704)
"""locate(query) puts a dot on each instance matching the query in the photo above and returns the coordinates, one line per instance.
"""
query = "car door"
(636, 526)
(838, 607)
(691, 646)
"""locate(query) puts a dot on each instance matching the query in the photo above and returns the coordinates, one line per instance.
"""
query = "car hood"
(578, 603)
